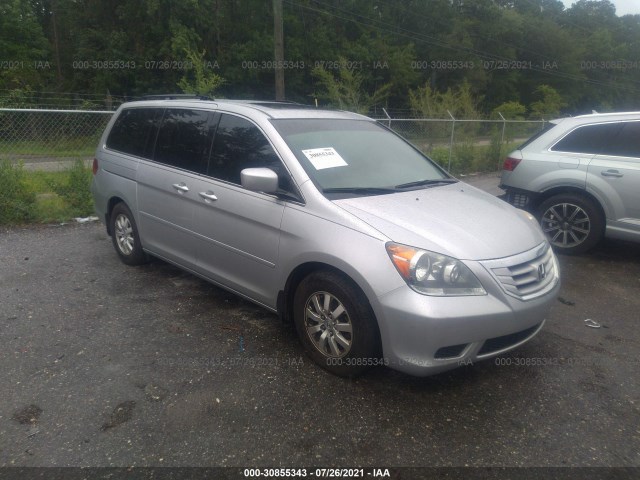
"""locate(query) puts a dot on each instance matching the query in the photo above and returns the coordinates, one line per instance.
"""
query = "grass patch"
(467, 158)
(17, 199)
(44, 197)
(58, 148)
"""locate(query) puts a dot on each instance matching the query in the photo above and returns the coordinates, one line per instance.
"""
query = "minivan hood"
(457, 220)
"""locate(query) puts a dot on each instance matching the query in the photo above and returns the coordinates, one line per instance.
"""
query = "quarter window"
(184, 139)
(134, 132)
(590, 139)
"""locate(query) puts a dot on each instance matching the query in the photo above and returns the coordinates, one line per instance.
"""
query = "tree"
(459, 101)
(549, 105)
(23, 47)
(346, 90)
(204, 81)
(510, 111)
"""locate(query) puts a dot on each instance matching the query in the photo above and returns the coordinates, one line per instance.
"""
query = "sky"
(623, 7)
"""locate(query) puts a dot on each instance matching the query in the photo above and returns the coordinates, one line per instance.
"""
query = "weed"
(17, 200)
(74, 189)
(41, 196)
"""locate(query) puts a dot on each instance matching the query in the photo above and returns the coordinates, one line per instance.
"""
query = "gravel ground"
(108, 365)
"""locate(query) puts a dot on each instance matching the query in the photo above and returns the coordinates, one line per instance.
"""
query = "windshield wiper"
(360, 190)
(421, 183)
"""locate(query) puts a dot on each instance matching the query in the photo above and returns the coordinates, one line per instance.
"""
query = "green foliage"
(549, 104)
(151, 40)
(17, 200)
(468, 158)
(74, 189)
(429, 103)
(458, 101)
(17, 98)
(22, 43)
(346, 90)
(204, 81)
(41, 196)
(510, 111)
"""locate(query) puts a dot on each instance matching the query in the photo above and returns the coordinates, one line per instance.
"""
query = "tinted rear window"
(184, 139)
(134, 132)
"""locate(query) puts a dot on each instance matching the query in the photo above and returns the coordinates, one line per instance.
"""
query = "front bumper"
(424, 335)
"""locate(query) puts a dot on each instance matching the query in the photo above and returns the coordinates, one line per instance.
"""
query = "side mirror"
(259, 180)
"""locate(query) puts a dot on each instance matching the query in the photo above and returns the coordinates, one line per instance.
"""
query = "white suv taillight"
(94, 167)
(510, 164)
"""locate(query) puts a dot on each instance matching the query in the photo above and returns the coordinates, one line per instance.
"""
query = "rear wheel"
(124, 235)
(335, 324)
(573, 223)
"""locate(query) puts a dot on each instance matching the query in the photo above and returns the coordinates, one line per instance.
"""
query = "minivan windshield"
(347, 157)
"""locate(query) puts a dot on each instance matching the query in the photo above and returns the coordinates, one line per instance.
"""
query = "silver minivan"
(332, 221)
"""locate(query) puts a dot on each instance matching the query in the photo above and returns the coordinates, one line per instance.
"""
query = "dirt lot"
(107, 365)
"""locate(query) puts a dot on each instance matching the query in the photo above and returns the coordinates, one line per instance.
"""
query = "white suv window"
(627, 143)
(588, 139)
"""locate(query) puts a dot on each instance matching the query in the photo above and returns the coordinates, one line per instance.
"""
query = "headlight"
(527, 215)
(430, 273)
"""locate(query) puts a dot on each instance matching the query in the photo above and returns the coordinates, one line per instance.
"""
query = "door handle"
(181, 187)
(208, 196)
(612, 173)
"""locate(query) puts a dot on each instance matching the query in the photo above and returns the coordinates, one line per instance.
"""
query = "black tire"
(356, 350)
(124, 235)
(573, 223)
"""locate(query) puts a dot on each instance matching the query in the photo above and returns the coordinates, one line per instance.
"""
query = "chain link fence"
(465, 146)
(40, 137)
(45, 138)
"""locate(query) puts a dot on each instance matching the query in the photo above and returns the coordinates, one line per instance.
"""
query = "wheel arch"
(568, 190)
(113, 201)
(285, 297)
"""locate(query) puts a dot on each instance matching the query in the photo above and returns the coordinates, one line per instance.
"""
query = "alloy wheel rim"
(566, 225)
(124, 234)
(328, 325)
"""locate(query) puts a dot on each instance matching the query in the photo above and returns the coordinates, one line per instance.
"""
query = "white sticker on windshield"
(322, 158)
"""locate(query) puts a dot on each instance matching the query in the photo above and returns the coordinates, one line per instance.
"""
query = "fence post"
(389, 122)
(504, 125)
(453, 130)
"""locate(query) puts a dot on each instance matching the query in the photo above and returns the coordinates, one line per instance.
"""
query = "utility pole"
(278, 44)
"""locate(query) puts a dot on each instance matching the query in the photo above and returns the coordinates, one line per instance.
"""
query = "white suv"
(581, 178)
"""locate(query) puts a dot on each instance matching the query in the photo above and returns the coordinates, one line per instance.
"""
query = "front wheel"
(572, 223)
(336, 324)
(124, 235)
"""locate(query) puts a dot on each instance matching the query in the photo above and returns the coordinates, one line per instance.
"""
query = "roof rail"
(176, 96)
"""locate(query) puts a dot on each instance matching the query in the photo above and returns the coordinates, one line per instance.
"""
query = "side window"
(239, 144)
(588, 139)
(184, 139)
(627, 143)
(134, 131)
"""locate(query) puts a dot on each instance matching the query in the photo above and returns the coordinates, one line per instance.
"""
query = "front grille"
(519, 200)
(527, 275)
(500, 343)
